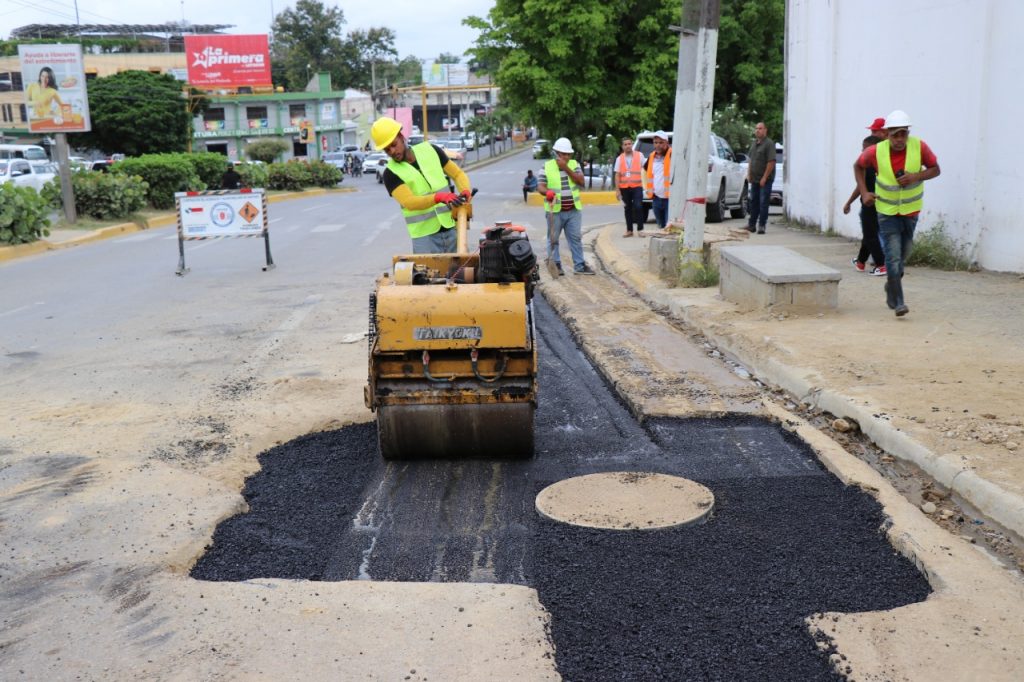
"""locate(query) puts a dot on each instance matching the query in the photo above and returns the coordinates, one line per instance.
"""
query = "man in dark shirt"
(231, 179)
(760, 176)
(416, 177)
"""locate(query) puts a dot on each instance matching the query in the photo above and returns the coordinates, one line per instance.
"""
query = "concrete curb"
(1003, 507)
(8, 253)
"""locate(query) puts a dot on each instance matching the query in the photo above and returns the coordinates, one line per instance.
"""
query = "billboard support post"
(67, 191)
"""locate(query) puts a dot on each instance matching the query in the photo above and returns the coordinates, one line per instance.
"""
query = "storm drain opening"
(626, 500)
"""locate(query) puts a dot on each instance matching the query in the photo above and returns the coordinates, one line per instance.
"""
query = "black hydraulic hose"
(474, 355)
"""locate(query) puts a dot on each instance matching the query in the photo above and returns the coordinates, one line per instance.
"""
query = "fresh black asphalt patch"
(723, 600)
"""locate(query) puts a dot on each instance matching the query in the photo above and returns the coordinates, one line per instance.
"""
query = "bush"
(936, 249)
(102, 195)
(209, 166)
(292, 175)
(253, 174)
(23, 215)
(324, 174)
(164, 174)
(266, 151)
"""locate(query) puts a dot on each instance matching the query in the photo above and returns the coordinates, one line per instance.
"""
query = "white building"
(955, 66)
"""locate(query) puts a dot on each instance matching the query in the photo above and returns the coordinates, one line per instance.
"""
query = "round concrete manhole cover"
(626, 500)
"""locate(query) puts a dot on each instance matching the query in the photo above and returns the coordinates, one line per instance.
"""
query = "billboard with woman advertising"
(55, 95)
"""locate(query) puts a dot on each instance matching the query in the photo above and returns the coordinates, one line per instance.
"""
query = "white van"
(29, 152)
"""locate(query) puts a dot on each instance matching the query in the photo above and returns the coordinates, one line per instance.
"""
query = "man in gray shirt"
(760, 176)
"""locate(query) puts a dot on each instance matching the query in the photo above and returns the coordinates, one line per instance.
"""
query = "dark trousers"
(896, 232)
(633, 207)
(660, 206)
(870, 244)
(759, 198)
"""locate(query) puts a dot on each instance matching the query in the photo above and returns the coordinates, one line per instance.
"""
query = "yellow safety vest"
(430, 178)
(553, 178)
(649, 173)
(629, 171)
(890, 198)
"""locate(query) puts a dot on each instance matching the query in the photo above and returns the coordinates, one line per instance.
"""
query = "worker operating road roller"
(417, 178)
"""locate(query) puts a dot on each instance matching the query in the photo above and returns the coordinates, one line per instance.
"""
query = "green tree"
(362, 52)
(266, 151)
(448, 58)
(591, 67)
(137, 112)
(307, 39)
(480, 127)
(734, 125)
(750, 61)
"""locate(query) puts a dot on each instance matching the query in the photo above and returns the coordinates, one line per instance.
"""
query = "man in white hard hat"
(417, 178)
(902, 164)
(560, 183)
(658, 177)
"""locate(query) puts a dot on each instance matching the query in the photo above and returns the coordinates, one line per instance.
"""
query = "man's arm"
(768, 170)
(866, 197)
(921, 176)
(574, 175)
(452, 170)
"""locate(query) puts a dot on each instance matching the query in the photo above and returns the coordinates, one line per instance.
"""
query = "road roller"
(452, 353)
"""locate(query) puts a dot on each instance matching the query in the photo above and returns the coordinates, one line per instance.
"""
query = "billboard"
(55, 96)
(435, 74)
(219, 61)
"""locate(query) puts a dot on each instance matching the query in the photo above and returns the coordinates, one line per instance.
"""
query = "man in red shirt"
(902, 164)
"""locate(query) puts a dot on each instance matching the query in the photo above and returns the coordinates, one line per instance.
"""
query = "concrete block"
(663, 254)
(756, 277)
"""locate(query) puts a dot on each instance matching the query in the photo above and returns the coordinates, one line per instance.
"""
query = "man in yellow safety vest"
(416, 176)
(902, 163)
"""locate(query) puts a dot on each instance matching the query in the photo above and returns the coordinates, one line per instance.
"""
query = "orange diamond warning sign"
(248, 212)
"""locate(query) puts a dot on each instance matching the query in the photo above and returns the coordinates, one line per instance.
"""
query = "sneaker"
(585, 270)
(858, 266)
(902, 310)
(561, 272)
(880, 271)
(760, 230)
(751, 228)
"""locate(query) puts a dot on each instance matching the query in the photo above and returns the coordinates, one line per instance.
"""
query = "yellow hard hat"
(384, 131)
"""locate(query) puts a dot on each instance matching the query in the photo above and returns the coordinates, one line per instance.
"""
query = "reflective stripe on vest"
(430, 178)
(629, 176)
(666, 171)
(890, 197)
(553, 179)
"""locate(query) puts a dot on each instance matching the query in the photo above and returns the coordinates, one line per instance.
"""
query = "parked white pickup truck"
(727, 180)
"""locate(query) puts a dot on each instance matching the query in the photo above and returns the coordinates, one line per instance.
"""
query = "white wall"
(955, 66)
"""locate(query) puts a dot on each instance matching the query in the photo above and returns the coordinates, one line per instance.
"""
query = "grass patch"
(699, 276)
(936, 249)
(86, 223)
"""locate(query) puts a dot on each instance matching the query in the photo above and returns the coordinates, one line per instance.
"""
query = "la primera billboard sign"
(227, 60)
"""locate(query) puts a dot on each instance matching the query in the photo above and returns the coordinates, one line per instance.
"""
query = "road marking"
(20, 308)
(274, 220)
(317, 207)
(145, 236)
(328, 228)
(380, 229)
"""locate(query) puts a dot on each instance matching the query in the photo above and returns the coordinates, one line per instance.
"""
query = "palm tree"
(479, 127)
(503, 119)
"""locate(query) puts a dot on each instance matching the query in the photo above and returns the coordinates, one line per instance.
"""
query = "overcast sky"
(422, 28)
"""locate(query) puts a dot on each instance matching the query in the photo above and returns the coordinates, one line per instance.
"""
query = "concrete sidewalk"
(940, 388)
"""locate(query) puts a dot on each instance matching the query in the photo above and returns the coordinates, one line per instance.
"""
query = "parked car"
(100, 165)
(727, 180)
(597, 176)
(541, 148)
(469, 141)
(776, 195)
(21, 173)
(455, 149)
(370, 163)
(336, 159)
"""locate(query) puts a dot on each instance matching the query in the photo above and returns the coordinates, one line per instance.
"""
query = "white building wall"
(955, 66)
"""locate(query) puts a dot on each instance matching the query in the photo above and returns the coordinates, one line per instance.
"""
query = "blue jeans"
(572, 223)
(442, 241)
(896, 232)
(759, 198)
(660, 210)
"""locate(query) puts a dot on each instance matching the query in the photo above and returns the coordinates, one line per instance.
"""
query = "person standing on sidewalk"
(902, 164)
(658, 177)
(560, 183)
(870, 245)
(760, 176)
(628, 187)
(529, 184)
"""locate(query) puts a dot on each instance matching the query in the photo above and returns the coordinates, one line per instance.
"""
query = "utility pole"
(695, 86)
